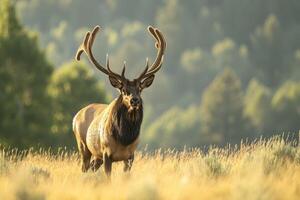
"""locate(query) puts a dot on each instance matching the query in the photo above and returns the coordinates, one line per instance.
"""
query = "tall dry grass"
(261, 170)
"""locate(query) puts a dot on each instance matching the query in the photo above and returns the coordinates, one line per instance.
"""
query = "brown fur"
(110, 133)
(94, 141)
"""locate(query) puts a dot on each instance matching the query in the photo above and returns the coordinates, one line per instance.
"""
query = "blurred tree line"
(231, 69)
(38, 102)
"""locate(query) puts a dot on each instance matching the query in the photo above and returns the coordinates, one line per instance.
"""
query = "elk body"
(110, 133)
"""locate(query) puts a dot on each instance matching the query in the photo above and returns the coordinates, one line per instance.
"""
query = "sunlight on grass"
(261, 170)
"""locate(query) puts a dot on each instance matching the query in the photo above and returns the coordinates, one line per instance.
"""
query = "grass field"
(262, 170)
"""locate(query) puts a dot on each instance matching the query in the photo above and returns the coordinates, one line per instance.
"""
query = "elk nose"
(134, 101)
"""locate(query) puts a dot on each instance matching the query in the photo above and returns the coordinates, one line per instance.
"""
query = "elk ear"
(147, 82)
(115, 82)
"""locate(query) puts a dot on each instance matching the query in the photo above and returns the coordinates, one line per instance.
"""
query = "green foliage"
(286, 106)
(198, 69)
(258, 106)
(280, 154)
(215, 165)
(24, 74)
(72, 87)
(269, 43)
(266, 47)
(175, 128)
(222, 108)
(227, 54)
(9, 25)
(271, 111)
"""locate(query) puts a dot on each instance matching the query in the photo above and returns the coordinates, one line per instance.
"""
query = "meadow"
(264, 169)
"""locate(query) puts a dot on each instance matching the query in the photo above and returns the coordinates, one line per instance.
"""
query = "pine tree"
(286, 108)
(222, 108)
(258, 107)
(24, 74)
(267, 52)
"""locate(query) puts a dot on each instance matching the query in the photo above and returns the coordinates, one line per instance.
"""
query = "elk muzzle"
(135, 102)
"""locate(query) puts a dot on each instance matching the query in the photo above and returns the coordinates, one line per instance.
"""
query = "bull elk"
(110, 133)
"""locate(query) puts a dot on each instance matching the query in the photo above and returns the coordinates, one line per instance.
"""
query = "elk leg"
(128, 163)
(96, 164)
(107, 164)
(85, 157)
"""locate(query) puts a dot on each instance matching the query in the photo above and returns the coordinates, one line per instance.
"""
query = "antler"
(86, 47)
(160, 45)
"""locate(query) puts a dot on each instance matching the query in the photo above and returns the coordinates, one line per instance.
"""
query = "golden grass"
(262, 170)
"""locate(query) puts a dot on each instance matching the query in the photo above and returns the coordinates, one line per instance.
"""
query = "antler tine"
(108, 65)
(107, 61)
(145, 70)
(86, 47)
(111, 73)
(123, 70)
(82, 47)
(160, 44)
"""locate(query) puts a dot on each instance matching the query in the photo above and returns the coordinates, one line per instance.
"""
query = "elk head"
(130, 90)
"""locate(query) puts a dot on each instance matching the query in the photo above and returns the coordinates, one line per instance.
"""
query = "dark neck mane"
(126, 125)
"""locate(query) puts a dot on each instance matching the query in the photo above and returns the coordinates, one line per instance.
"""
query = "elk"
(110, 133)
